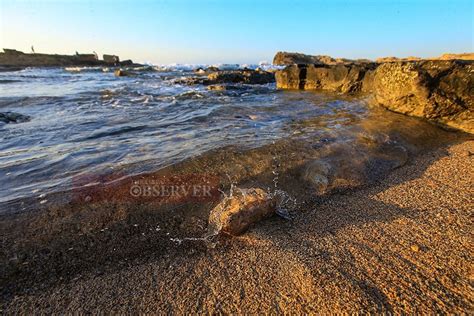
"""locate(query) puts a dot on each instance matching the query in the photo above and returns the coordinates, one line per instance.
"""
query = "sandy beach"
(236, 157)
(402, 244)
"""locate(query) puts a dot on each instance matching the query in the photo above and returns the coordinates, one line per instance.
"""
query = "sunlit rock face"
(438, 90)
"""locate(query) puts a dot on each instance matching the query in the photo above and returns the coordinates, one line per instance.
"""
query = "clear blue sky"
(238, 31)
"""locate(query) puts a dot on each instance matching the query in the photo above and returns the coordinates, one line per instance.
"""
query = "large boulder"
(235, 214)
(440, 91)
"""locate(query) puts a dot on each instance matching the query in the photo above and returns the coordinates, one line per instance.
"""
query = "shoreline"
(349, 251)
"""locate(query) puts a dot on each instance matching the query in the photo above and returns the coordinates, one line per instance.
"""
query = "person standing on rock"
(32, 50)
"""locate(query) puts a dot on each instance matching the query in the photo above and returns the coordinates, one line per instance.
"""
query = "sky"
(238, 31)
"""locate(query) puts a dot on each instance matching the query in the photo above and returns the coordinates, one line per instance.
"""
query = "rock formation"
(14, 58)
(339, 78)
(438, 90)
(231, 76)
(285, 58)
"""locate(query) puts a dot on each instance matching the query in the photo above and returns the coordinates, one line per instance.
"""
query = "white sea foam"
(191, 67)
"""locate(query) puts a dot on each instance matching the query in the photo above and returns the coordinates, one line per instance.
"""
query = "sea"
(85, 121)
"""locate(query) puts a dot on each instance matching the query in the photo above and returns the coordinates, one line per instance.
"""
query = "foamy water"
(87, 121)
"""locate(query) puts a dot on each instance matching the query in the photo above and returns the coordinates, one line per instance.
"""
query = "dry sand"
(401, 245)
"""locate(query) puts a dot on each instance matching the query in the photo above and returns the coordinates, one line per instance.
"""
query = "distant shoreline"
(14, 58)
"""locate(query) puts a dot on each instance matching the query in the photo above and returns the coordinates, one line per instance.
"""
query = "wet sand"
(402, 244)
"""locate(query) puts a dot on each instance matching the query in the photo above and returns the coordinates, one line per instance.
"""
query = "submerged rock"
(227, 87)
(12, 117)
(217, 87)
(234, 214)
(316, 173)
(231, 76)
(121, 73)
(241, 76)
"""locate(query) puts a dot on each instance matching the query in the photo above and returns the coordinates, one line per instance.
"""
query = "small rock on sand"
(234, 214)
(415, 248)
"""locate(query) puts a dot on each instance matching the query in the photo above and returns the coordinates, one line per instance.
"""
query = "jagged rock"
(234, 215)
(231, 76)
(212, 69)
(12, 117)
(202, 71)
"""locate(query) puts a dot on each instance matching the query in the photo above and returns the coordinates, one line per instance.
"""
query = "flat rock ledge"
(440, 91)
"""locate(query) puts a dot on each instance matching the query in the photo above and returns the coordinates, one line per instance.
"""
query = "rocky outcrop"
(394, 59)
(14, 58)
(437, 90)
(285, 58)
(465, 56)
(440, 91)
(12, 117)
(231, 76)
(235, 214)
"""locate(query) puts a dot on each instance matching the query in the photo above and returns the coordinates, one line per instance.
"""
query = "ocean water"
(87, 121)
